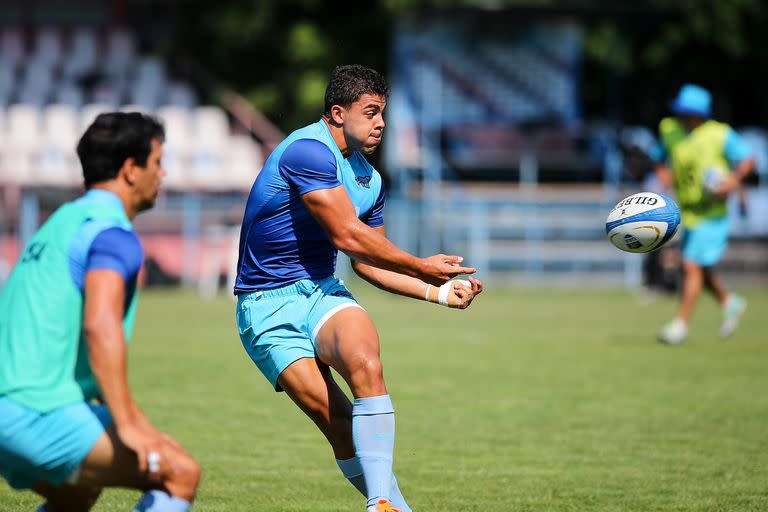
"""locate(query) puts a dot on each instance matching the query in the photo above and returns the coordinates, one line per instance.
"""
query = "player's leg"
(348, 342)
(715, 285)
(692, 285)
(732, 304)
(111, 464)
(69, 454)
(171, 488)
(311, 385)
(66, 497)
(695, 248)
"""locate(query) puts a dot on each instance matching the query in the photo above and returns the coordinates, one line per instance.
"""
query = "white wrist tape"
(445, 290)
(426, 293)
(442, 294)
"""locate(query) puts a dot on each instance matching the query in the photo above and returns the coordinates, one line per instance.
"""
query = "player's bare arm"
(333, 210)
(460, 296)
(665, 175)
(102, 324)
(740, 172)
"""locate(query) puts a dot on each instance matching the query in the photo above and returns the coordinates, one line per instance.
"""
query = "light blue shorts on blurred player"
(706, 243)
(279, 326)
(49, 446)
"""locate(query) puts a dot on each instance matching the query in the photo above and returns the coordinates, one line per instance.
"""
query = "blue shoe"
(734, 307)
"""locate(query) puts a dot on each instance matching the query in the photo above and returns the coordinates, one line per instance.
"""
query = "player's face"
(149, 178)
(364, 123)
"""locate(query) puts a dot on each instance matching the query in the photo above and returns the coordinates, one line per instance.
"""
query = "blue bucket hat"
(692, 100)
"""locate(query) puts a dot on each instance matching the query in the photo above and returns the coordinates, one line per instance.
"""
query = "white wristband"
(426, 293)
(445, 290)
(442, 294)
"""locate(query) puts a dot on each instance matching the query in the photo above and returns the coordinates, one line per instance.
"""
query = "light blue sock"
(354, 473)
(159, 501)
(373, 434)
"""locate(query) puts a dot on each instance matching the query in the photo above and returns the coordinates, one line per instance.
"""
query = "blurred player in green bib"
(704, 161)
(68, 424)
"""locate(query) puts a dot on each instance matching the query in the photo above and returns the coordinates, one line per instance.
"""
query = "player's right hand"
(144, 440)
(440, 268)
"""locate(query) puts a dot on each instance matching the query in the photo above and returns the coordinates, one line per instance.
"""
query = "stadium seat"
(245, 161)
(210, 133)
(58, 158)
(89, 112)
(181, 95)
(108, 93)
(178, 142)
(12, 47)
(82, 57)
(7, 81)
(48, 46)
(120, 54)
(69, 94)
(21, 144)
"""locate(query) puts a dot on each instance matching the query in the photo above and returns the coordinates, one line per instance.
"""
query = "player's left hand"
(462, 296)
(729, 184)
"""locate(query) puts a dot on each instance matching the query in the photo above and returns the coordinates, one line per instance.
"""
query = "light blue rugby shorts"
(705, 244)
(279, 326)
(49, 446)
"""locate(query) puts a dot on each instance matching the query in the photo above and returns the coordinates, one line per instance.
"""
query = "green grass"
(532, 400)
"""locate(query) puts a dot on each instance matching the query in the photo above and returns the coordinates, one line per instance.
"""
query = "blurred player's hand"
(460, 296)
(440, 268)
(729, 184)
(143, 440)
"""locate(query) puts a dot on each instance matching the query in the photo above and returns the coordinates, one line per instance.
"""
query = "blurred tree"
(279, 54)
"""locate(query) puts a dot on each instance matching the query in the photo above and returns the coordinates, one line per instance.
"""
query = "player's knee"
(184, 478)
(371, 368)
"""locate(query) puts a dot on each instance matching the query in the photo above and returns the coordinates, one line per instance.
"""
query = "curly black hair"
(351, 81)
(114, 137)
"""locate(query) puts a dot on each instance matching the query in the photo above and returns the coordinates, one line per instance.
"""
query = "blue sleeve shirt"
(280, 240)
(101, 246)
(736, 148)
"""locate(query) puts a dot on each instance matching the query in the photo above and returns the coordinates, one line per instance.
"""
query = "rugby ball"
(642, 222)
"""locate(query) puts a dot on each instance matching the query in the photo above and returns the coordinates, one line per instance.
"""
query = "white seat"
(132, 107)
(210, 137)
(21, 144)
(89, 113)
(58, 156)
(245, 161)
(178, 143)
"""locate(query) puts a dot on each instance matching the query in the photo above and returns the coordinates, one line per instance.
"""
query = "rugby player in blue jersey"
(317, 195)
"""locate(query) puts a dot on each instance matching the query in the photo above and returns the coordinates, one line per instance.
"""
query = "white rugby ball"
(642, 222)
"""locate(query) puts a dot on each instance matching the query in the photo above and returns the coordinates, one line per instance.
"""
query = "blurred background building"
(513, 127)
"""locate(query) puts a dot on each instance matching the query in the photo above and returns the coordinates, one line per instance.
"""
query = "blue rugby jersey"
(280, 241)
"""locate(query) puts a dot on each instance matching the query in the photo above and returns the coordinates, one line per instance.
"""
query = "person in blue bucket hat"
(704, 161)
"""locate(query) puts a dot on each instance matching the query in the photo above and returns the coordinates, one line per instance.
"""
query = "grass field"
(533, 400)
